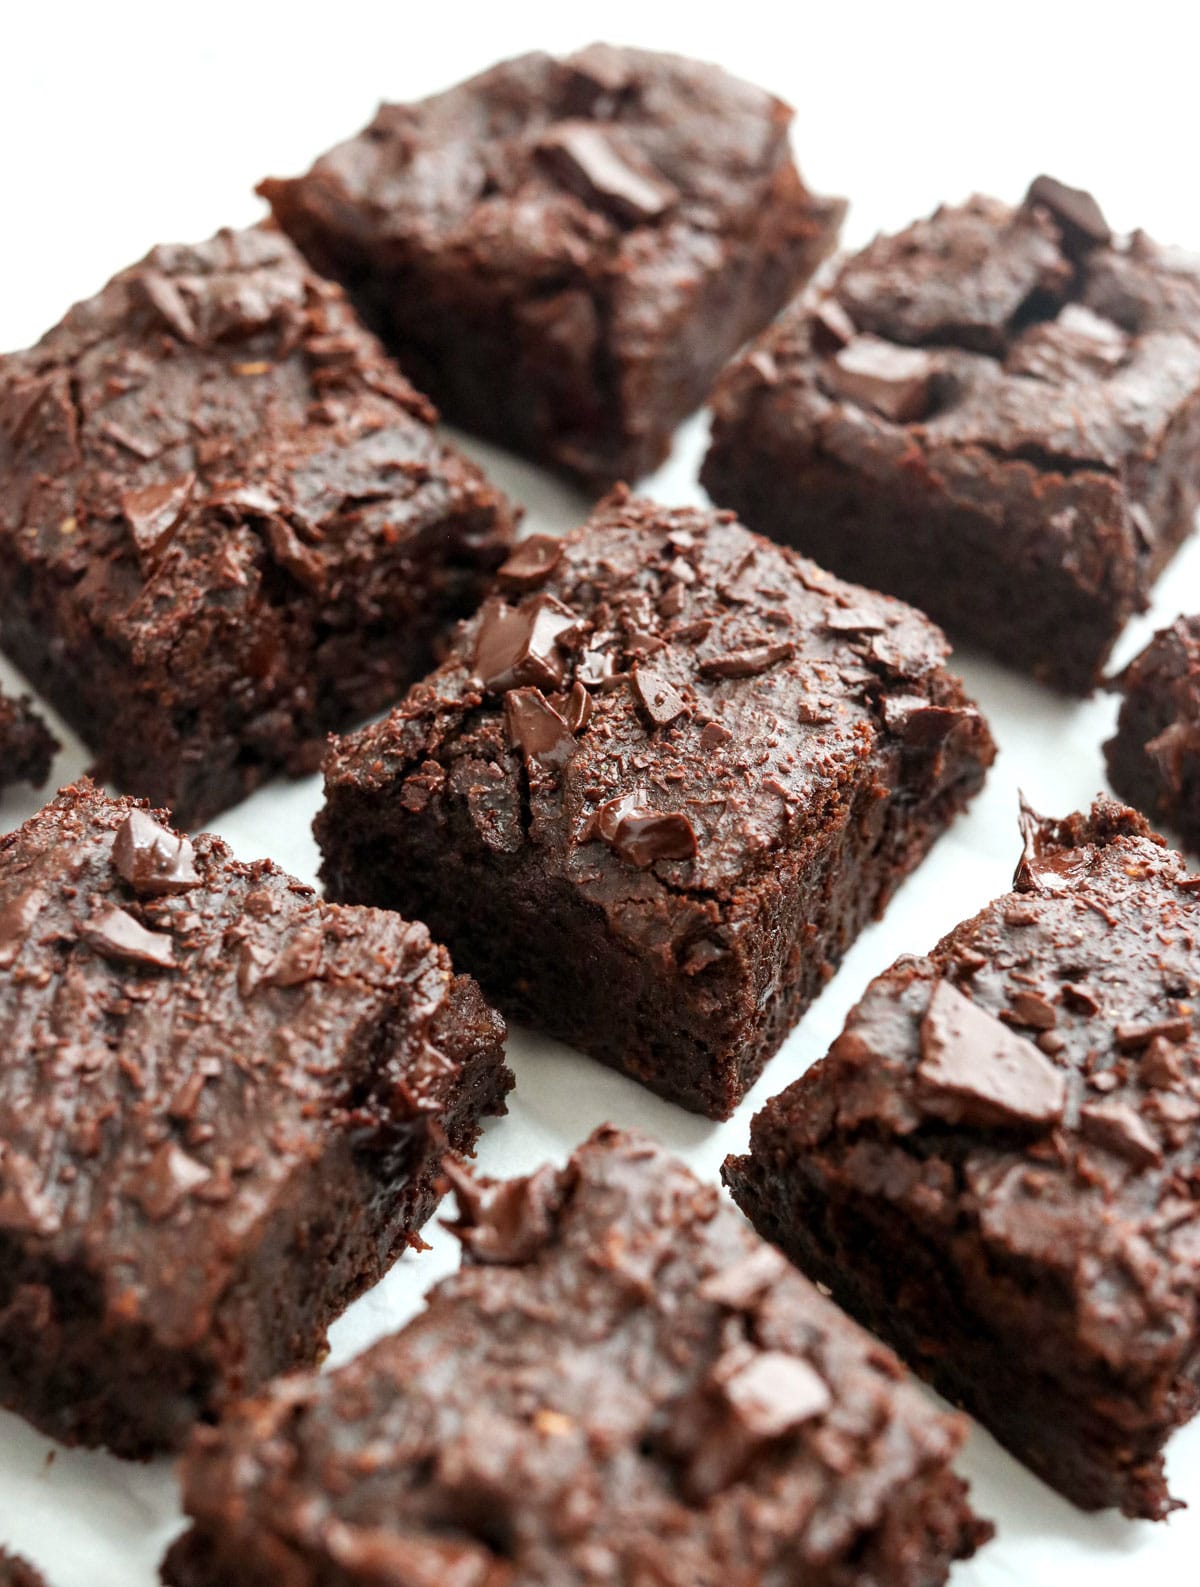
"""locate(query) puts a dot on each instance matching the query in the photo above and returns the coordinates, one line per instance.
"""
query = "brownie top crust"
(1032, 1087)
(1031, 334)
(210, 437)
(184, 1035)
(661, 703)
(622, 1383)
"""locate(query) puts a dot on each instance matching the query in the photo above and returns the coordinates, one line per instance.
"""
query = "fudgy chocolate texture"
(997, 1165)
(223, 1111)
(994, 414)
(15, 1572)
(1154, 757)
(226, 525)
(565, 252)
(622, 1384)
(27, 746)
(659, 784)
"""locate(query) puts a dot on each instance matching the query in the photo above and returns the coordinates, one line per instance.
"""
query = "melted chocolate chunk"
(531, 562)
(518, 646)
(895, 381)
(747, 662)
(115, 933)
(974, 1070)
(603, 166)
(537, 729)
(155, 861)
(154, 512)
(658, 697)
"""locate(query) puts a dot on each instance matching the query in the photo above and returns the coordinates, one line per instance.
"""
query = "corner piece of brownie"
(1154, 757)
(16, 1572)
(565, 252)
(659, 784)
(27, 746)
(994, 414)
(224, 1106)
(226, 524)
(997, 1166)
(621, 1384)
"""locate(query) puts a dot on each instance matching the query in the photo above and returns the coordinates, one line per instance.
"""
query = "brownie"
(997, 1166)
(659, 784)
(622, 1384)
(223, 1110)
(565, 252)
(1154, 757)
(994, 414)
(27, 746)
(226, 526)
(15, 1572)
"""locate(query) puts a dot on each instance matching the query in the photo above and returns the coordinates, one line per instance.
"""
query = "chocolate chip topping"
(531, 562)
(1081, 217)
(537, 729)
(642, 835)
(153, 513)
(518, 646)
(657, 695)
(604, 166)
(114, 933)
(1116, 1126)
(896, 382)
(154, 860)
(974, 1070)
(747, 662)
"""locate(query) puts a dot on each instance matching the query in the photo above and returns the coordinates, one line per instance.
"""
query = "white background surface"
(125, 125)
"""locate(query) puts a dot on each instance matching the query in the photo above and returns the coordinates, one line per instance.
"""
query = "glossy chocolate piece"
(994, 414)
(622, 1384)
(226, 523)
(652, 798)
(223, 1111)
(565, 252)
(997, 1166)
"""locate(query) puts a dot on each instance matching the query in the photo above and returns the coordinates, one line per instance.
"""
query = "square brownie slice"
(27, 746)
(994, 414)
(565, 252)
(226, 524)
(223, 1110)
(659, 784)
(997, 1166)
(622, 1384)
(1154, 756)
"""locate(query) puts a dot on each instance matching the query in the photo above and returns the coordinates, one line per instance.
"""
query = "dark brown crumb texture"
(565, 252)
(226, 525)
(622, 1384)
(27, 746)
(994, 414)
(997, 1165)
(660, 783)
(1154, 757)
(223, 1110)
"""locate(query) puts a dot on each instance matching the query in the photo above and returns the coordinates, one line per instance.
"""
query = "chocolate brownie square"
(565, 252)
(621, 1385)
(226, 524)
(27, 746)
(997, 1166)
(223, 1111)
(1154, 757)
(994, 414)
(15, 1572)
(660, 783)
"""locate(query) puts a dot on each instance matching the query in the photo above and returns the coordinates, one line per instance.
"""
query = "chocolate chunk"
(713, 735)
(604, 167)
(974, 1070)
(118, 936)
(896, 382)
(536, 728)
(291, 553)
(1160, 1067)
(154, 512)
(575, 708)
(830, 326)
(17, 916)
(153, 859)
(169, 1178)
(855, 620)
(509, 1222)
(770, 1393)
(164, 296)
(641, 835)
(531, 562)
(519, 645)
(1130, 1036)
(1076, 210)
(746, 663)
(740, 1286)
(1031, 1008)
(301, 959)
(1120, 1129)
(658, 697)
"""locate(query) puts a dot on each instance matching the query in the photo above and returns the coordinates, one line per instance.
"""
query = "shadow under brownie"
(566, 252)
(997, 1169)
(226, 524)
(223, 1111)
(656, 789)
(622, 1384)
(994, 414)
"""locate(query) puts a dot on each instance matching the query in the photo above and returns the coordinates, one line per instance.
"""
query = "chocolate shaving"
(747, 663)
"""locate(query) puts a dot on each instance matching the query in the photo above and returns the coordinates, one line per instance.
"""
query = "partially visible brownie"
(226, 524)
(997, 1166)
(660, 783)
(1154, 757)
(623, 1384)
(15, 1572)
(223, 1111)
(994, 414)
(27, 746)
(565, 252)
